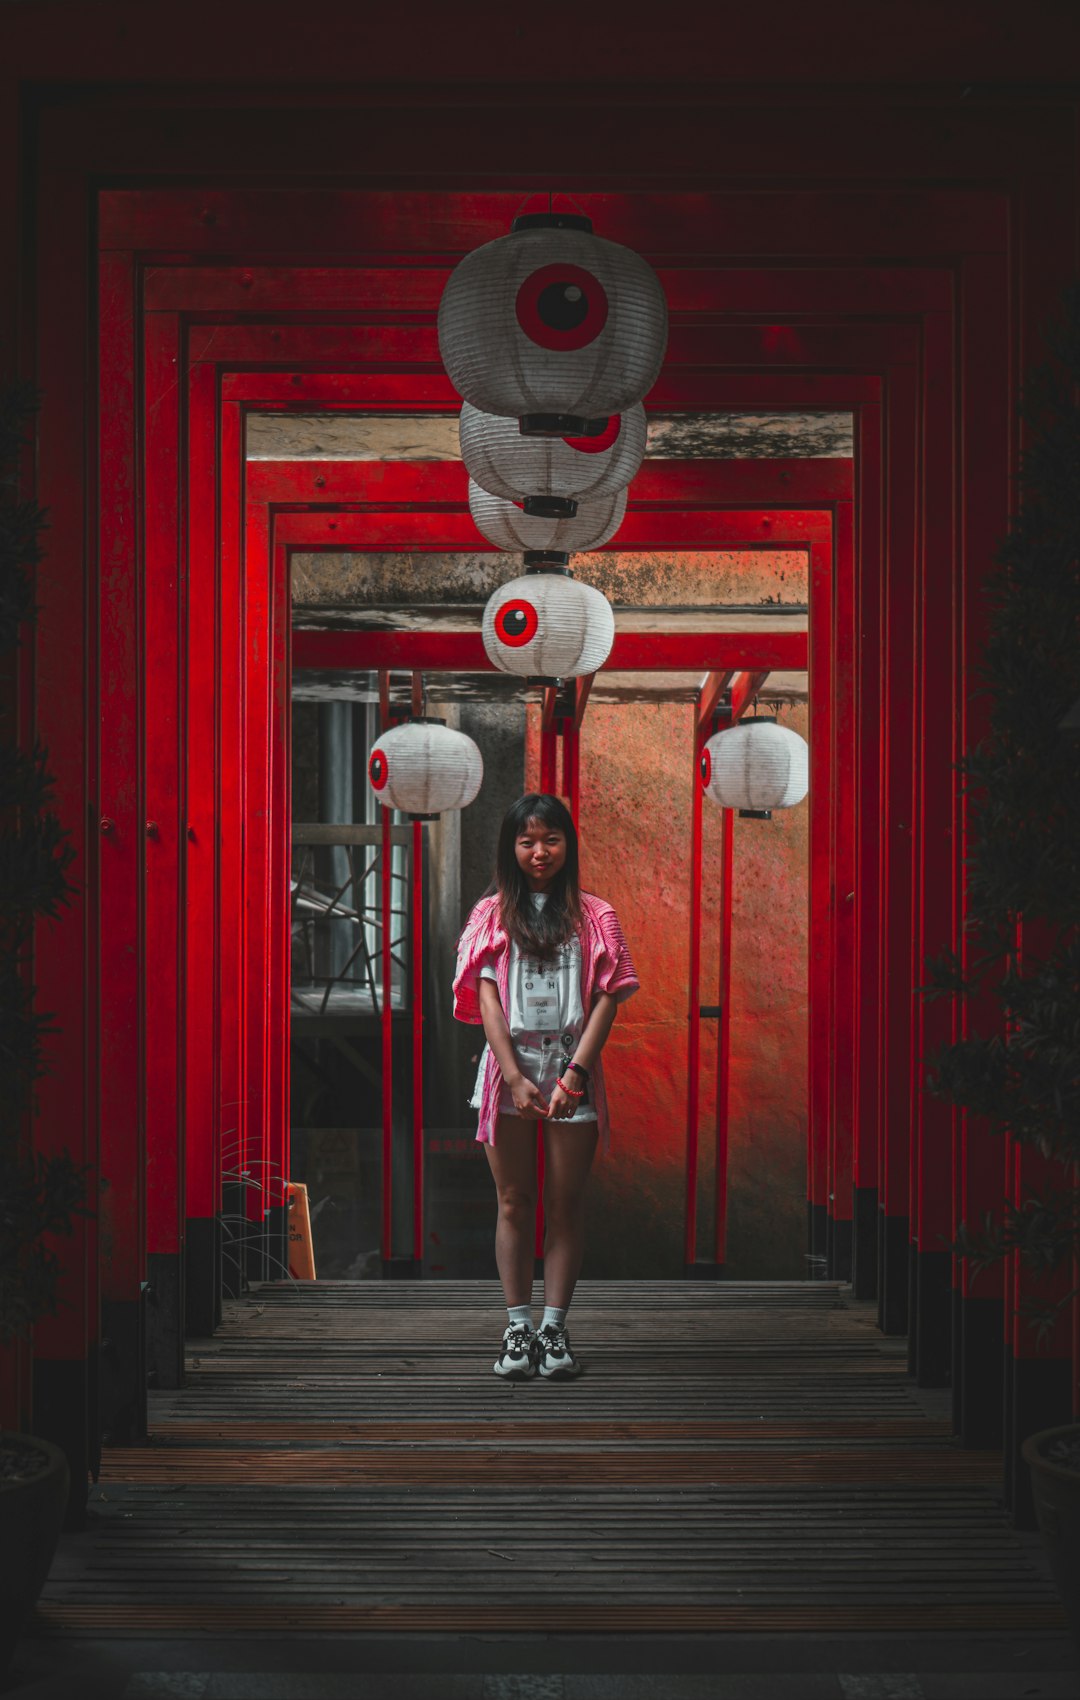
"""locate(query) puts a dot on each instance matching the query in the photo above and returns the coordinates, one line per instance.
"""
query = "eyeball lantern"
(552, 324)
(506, 463)
(548, 625)
(423, 768)
(756, 764)
(508, 526)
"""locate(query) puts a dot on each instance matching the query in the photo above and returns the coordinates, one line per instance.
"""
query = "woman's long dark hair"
(537, 929)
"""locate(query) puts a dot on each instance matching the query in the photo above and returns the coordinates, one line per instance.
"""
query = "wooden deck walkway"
(735, 1457)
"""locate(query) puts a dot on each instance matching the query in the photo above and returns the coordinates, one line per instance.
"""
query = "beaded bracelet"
(569, 1090)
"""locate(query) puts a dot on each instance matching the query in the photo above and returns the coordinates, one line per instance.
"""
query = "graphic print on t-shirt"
(546, 990)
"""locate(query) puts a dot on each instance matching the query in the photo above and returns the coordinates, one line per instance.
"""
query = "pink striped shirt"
(605, 967)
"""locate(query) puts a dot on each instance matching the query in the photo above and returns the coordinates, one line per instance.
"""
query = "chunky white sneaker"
(553, 1352)
(517, 1360)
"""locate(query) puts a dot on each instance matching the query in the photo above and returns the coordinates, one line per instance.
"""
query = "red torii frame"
(334, 527)
(984, 319)
(225, 435)
(764, 470)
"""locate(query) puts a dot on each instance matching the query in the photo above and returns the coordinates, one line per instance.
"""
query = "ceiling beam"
(632, 652)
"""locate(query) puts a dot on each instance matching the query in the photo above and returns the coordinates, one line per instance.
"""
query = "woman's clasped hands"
(531, 1105)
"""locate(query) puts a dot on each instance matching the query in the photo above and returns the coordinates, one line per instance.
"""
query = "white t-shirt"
(543, 997)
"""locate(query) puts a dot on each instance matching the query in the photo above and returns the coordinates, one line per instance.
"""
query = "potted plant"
(39, 1195)
(1023, 865)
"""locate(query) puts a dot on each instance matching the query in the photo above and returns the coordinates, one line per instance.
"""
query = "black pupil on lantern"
(376, 767)
(704, 767)
(563, 306)
(514, 622)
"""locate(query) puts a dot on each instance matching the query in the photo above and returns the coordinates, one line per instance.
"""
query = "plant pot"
(34, 1484)
(1056, 1488)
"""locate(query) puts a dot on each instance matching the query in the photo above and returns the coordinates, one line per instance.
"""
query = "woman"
(543, 965)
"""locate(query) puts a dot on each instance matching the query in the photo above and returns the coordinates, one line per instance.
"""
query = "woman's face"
(541, 852)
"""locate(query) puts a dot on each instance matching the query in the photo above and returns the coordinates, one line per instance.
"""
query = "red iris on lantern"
(596, 445)
(562, 307)
(516, 623)
(706, 769)
(378, 770)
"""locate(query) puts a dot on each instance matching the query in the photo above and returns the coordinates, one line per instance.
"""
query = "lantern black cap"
(560, 425)
(755, 814)
(547, 561)
(552, 221)
(550, 507)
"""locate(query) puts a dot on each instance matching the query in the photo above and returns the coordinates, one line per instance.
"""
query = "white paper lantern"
(506, 463)
(509, 527)
(424, 767)
(756, 764)
(548, 625)
(553, 321)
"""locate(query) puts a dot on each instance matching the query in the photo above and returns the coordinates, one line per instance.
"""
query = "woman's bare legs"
(568, 1155)
(512, 1161)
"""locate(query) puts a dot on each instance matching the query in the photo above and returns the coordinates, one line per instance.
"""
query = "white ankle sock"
(520, 1313)
(553, 1314)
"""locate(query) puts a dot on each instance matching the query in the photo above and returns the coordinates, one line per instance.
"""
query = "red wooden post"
(58, 671)
(121, 825)
(279, 922)
(202, 921)
(693, 1014)
(842, 952)
(232, 963)
(257, 797)
(821, 904)
(897, 663)
(418, 1041)
(549, 742)
(866, 880)
(568, 736)
(935, 835)
(417, 911)
(386, 1012)
(723, 1036)
(161, 1015)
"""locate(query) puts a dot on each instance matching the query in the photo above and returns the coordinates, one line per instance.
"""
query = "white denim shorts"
(542, 1059)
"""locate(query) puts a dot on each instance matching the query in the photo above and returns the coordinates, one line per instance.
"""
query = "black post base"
(402, 1269)
(165, 1319)
(979, 1374)
(1039, 1395)
(817, 1242)
(864, 1226)
(893, 1291)
(840, 1242)
(933, 1310)
(65, 1412)
(234, 1231)
(702, 1271)
(277, 1242)
(123, 1371)
(202, 1275)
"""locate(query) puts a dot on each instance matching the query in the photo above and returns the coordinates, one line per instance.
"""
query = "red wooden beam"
(743, 691)
(582, 687)
(463, 652)
(709, 698)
